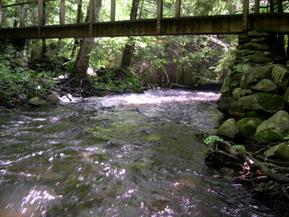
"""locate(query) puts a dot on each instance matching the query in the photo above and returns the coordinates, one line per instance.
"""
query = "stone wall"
(255, 96)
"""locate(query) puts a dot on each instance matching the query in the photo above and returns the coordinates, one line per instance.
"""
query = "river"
(127, 155)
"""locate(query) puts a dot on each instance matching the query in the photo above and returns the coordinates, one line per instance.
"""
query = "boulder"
(36, 101)
(280, 151)
(228, 129)
(239, 92)
(53, 98)
(248, 126)
(265, 85)
(273, 129)
(286, 95)
(267, 102)
(258, 73)
(224, 104)
(280, 75)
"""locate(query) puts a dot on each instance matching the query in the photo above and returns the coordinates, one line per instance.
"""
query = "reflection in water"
(128, 155)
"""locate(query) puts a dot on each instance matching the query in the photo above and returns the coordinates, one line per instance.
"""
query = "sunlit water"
(128, 156)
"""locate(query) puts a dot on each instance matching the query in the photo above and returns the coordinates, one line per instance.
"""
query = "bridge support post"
(245, 14)
(159, 14)
(1, 12)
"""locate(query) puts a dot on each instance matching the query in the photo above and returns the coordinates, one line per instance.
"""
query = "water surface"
(128, 155)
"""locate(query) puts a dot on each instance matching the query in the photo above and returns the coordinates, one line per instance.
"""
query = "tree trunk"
(44, 45)
(78, 20)
(129, 46)
(82, 60)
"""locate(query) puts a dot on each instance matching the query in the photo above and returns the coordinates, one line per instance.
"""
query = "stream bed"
(128, 155)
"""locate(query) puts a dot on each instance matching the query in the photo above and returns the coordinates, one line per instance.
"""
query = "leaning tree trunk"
(82, 60)
(129, 46)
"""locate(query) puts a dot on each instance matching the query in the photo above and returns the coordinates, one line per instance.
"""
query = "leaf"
(212, 139)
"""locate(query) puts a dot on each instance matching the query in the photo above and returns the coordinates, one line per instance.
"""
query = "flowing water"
(128, 156)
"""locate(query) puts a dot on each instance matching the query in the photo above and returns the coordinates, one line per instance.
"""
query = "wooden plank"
(245, 14)
(159, 14)
(40, 15)
(112, 10)
(178, 9)
(62, 12)
(1, 12)
(257, 6)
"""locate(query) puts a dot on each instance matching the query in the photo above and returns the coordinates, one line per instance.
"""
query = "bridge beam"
(225, 24)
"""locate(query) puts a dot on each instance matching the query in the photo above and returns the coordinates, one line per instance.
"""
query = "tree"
(82, 60)
(129, 46)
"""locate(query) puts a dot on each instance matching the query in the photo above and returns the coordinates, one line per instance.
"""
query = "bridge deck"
(222, 24)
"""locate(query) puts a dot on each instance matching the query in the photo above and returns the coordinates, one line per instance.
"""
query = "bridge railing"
(40, 8)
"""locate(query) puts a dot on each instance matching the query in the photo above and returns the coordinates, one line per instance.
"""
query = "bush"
(15, 81)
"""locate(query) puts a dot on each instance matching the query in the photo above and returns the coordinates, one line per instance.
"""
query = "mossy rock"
(259, 57)
(239, 92)
(225, 103)
(243, 68)
(273, 129)
(248, 126)
(265, 85)
(280, 75)
(258, 73)
(267, 102)
(253, 45)
(228, 129)
(36, 101)
(280, 151)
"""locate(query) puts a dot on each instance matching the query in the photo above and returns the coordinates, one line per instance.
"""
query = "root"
(263, 175)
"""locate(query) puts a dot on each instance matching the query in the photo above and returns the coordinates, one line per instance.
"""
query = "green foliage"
(212, 139)
(239, 148)
(18, 80)
(116, 81)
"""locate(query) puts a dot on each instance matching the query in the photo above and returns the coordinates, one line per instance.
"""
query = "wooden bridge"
(177, 25)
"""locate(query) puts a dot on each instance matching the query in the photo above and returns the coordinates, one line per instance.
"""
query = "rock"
(243, 83)
(265, 85)
(23, 97)
(226, 89)
(267, 102)
(280, 151)
(235, 80)
(36, 101)
(252, 45)
(273, 129)
(248, 126)
(259, 57)
(224, 104)
(280, 75)
(53, 98)
(243, 67)
(286, 95)
(255, 33)
(239, 92)
(258, 73)
(228, 129)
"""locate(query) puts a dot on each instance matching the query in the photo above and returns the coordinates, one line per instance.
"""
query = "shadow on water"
(128, 155)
